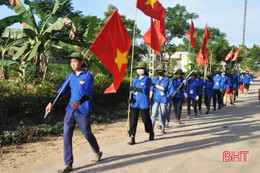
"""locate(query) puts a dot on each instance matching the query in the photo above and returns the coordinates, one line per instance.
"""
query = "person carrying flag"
(193, 94)
(247, 81)
(208, 92)
(158, 94)
(201, 85)
(217, 90)
(139, 100)
(80, 84)
(178, 99)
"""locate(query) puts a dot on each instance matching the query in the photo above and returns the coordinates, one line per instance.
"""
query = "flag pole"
(131, 74)
(210, 62)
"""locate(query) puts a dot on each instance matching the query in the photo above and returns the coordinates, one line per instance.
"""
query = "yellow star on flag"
(151, 2)
(194, 35)
(121, 58)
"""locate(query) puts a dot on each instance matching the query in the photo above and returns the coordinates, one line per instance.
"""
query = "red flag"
(160, 28)
(202, 56)
(152, 8)
(236, 53)
(111, 47)
(151, 38)
(229, 55)
(192, 35)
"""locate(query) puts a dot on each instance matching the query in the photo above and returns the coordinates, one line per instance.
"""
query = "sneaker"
(179, 121)
(97, 157)
(167, 125)
(188, 117)
(132, 141)
(207, 112)
(163, 132)
(151, 137)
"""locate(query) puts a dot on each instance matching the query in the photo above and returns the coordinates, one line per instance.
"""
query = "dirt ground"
(195, 146)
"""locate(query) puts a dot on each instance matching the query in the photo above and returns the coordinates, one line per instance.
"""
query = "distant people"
(178, 98)
(208, 91)
(158, 94)
(201, 85)
(247, 81)
(241, 80)
(140, 91)
(230, 89)
(192, 94)
(223, 87)
(235, 83)
(217, 90)
(80, 84)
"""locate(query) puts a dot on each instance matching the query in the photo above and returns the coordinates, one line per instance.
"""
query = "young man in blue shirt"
(208, 92)
(217, 90)
(230, 88)
(178, 99)
(80, 84)
(201, 85)
(247, 81)
(223, 87)
(193, 94)
(140, 91)
(158, 93)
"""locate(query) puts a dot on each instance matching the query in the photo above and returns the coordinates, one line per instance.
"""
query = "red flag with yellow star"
(151, 38)
(229, 55)
(111, 47)
(236, 53)
(152, 8)
(192, 35)
(160, 28)
(202, 56)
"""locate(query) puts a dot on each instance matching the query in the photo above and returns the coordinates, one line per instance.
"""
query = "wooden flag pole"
(210, 62)
(131, 74)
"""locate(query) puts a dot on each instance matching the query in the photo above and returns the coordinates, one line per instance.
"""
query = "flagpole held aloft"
(131, 74)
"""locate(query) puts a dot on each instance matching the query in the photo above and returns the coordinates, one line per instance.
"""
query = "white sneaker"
(188, 117)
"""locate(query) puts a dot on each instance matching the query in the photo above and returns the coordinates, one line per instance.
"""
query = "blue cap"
(223, 73)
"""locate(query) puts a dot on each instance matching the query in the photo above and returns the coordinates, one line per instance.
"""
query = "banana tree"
(40, 36)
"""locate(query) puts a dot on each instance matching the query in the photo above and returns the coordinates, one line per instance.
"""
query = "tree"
(40, 36)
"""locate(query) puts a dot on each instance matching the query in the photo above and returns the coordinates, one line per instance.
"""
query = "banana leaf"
(13, 33)
(34, 51)
(21, 51)
(7, 62)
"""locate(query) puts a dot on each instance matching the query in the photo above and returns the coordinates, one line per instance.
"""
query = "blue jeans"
(155, 109)
(207, 100)
(168, 113)
(70, 121)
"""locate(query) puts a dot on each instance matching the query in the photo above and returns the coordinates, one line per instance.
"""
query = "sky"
(226, 15)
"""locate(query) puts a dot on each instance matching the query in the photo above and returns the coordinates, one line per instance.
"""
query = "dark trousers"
(177, 107)
(191, 102)
(222, 96)
(145, 113)
(83, 121)
(235, 93)
(198, 102)
(207, 100)
(216, 94)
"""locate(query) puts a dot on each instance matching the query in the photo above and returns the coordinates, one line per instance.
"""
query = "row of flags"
(113, 43)
(230, 54)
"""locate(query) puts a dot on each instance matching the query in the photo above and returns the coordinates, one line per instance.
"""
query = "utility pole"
(244, 28)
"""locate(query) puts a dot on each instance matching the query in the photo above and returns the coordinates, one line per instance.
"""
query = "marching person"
(158, 94)
(230, 89)
(178, 99)
(242, 82)
(217, 90)
(140, 90)
(247, 81)
(235, 83)
(201, 85)
(223, 88)
(80, 84)
(193, 94)
(208, 92)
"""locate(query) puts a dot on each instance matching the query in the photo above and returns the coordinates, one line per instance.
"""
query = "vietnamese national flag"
(202, 56)
(160, 28)
(236, 53)
(151, 38)
(192, 35)
(152, 8)
(111, 47)
(229, 55)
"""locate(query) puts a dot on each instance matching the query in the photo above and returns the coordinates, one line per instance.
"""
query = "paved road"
(195, 146)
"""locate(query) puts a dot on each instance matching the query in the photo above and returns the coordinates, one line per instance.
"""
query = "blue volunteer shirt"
(160, 96)
(201, 84)
(247, 79)
(176, 83)
(192, 88)
(223, 82)
(170, 92)
(141, 99)
(230, 83)
(209, 88)
(241, 80)
(79, 86)
(217, 82)
(235, 80)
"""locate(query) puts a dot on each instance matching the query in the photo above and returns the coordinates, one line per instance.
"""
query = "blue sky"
(226, 15)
